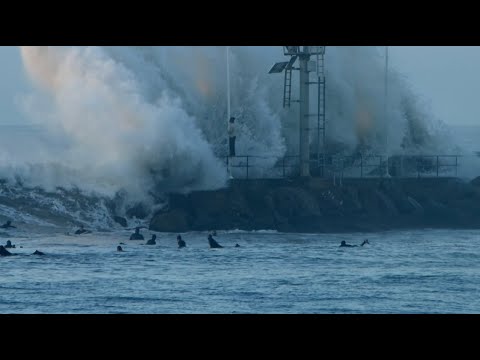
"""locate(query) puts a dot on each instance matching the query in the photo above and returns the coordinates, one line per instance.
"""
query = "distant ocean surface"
(430, 271)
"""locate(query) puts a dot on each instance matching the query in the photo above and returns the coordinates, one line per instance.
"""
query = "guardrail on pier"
(340, 166)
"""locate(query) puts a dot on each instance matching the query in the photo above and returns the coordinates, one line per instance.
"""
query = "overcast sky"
(448, 78)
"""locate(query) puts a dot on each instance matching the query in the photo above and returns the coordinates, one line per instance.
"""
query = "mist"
(154, 119)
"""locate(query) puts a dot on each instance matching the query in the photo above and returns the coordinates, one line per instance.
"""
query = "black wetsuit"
(81, 231)
(4, 252)
(213, 244)
(151, 241)
(137, 237)
(181, 244)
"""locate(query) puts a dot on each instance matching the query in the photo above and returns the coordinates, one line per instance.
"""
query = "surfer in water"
(8, 225)
(9, 245)
(119, 249)
(152, 240)
(180, 242)
(4, 252)
(213, 244)
(344, 244)
(82, 230)
(137, 235)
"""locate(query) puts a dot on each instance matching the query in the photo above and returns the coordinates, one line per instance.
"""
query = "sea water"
(424, 271)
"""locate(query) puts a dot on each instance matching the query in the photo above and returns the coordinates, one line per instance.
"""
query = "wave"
(145, 121)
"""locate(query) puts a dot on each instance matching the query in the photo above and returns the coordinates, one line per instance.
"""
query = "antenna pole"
(385, 111)
(228, 82)
(304, 113)
(227, 54)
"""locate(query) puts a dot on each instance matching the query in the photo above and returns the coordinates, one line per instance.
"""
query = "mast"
(228, 82)
(385, 111)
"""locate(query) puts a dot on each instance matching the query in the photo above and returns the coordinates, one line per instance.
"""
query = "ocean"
(144, 120)
(423, 271)
(400, 272)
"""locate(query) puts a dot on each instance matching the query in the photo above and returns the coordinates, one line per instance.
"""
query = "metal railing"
(255, 167)
(340, 166)
(431, 165)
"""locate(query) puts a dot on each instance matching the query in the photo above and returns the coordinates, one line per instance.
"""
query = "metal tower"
(305, 67)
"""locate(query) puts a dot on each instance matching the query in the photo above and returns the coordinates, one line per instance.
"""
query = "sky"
(447, 78)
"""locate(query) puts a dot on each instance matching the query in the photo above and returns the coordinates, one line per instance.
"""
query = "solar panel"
(278, 67)
(291, 62)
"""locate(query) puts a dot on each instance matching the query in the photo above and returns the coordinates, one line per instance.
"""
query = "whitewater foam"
(149, 120)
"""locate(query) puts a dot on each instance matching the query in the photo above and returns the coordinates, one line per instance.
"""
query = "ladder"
(287, 88)
(321, 116)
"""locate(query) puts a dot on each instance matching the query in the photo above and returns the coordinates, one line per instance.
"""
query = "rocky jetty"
(316, 205)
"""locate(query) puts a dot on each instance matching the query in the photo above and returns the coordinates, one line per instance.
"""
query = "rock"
(387, 204)
(400, 199)
(173, 221)
(351, 203)
(318, 206)
(370, 202)
(418, 208)
(138, 211)
(475, 182)
(120, 220)
(204, 221)
(294, 202)
(224, 209)
(259, 212)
